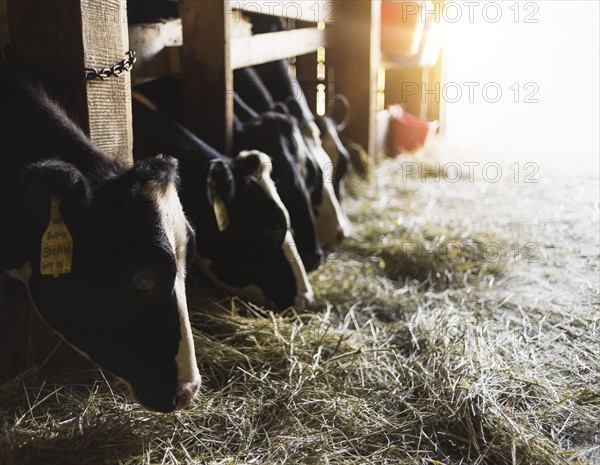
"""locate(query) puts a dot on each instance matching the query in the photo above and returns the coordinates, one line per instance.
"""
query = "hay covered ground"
(459, 324)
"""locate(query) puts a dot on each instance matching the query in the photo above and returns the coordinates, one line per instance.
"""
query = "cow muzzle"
(186, 393)
(304, 300)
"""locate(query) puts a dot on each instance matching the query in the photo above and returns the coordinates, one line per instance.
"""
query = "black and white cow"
(244, 241)
(297, 177)
(114, 239)
(278, 86)
(335, 149)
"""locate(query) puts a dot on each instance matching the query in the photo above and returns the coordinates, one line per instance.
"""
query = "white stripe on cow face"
(304, 292)
(332, 224)
(330, 141)
(175, 226)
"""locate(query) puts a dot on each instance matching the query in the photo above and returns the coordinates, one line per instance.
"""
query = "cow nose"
(313, 261)
(303, 300)
(186, 393)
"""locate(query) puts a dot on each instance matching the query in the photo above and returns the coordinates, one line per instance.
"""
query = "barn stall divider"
(83, 52)
(57, 41)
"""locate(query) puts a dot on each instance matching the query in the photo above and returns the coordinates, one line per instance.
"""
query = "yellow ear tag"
(57, 244)
(221, 214)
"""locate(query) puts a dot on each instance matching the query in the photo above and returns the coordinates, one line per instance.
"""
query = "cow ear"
(59, 180)
(221, 189)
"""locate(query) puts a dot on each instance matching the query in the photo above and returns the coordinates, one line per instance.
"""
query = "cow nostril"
(186, 394)
(184, 400)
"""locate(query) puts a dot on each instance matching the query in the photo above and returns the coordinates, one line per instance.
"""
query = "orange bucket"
(409, 132)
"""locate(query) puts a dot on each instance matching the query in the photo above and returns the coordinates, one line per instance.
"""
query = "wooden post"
(56, 41)
(306, 73)
(355, 55)
(207, 73)
(4, 35)
(406, 86)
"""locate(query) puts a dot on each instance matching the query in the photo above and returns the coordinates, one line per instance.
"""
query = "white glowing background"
(559, 54)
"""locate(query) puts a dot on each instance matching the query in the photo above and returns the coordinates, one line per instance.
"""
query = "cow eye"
(145, 281)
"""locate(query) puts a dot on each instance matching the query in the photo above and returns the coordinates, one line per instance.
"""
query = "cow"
(244, 241)
(102, 247)
(335, 149)
(297, 177)
(332, 225)
(277, 135)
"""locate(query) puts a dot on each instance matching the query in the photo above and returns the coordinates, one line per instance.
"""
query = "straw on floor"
(450, 328)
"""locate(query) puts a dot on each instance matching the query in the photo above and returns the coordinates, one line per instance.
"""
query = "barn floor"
(460, 324)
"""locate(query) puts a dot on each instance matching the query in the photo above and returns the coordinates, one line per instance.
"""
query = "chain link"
(115, 70)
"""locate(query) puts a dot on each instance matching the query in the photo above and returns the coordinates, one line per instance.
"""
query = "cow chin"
(162, 398)
(154, 398)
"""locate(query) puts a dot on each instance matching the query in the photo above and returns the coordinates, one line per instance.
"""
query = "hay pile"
(423, 347)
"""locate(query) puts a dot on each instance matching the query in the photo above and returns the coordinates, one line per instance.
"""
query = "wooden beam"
(4, 34)
(105, 41)
(405, 86)
(313, 11)
(56, 41)
(207, 73)
(355, 56)
(306, 73)
(262, 48)
(158, 49)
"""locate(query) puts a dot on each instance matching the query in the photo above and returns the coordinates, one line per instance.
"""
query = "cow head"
(332, 225)
(338, 155)
(254, 254)
(277, 135)
(123, 301)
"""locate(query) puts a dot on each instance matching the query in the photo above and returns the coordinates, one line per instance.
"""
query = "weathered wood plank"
(262, 48)
(158, 49)
(51, 51)
(4, 35)
(105, 42)
(306, 73)
(56, 41)
(312, 11)
(355, 57)
(207, 72)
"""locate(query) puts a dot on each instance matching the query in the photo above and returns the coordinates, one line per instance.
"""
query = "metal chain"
(115, 70)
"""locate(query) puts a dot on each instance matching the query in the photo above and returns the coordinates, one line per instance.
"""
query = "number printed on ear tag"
(220, 208)
(57, 244)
